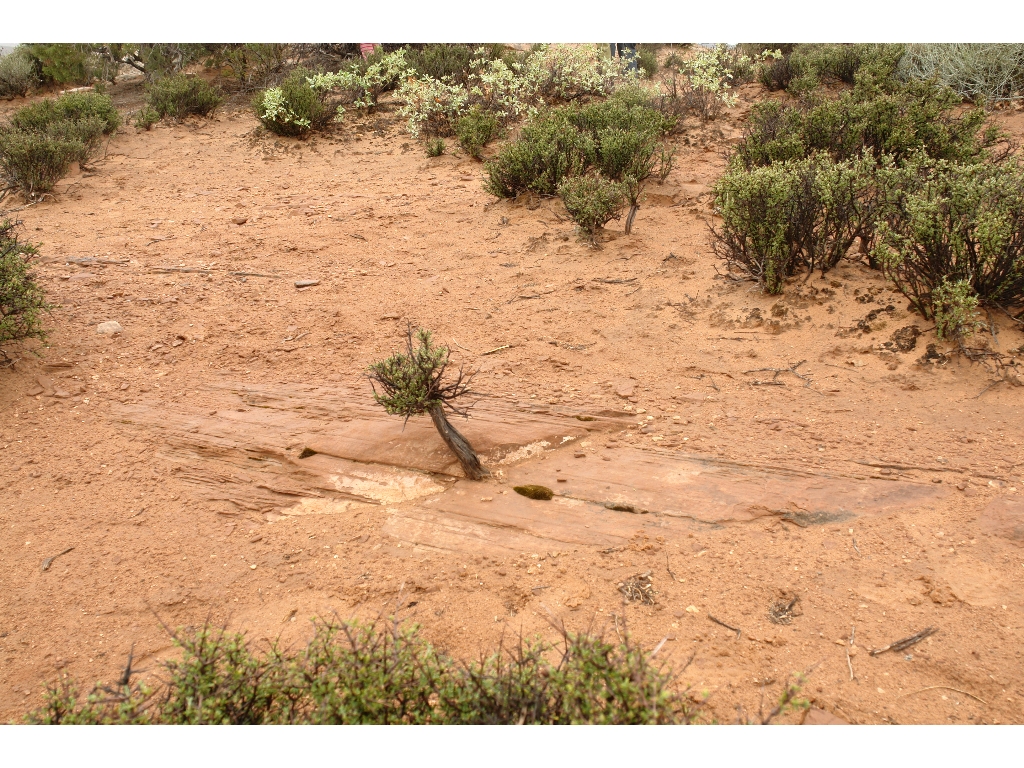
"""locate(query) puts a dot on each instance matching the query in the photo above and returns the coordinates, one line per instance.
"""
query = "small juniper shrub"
(953, 225)
(383, 673)
(17, 73)
(631, 157)
(475, 129)
(21, 299)
(294, 108)
(592, 201)
(179, 96)
(435, 147)
(413, 383)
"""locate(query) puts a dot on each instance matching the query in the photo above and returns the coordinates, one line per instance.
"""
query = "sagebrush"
(17, 73)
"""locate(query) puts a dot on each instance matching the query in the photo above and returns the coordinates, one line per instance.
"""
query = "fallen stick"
(89, 260)
(945, 688)
(906, 642)
(47, 562)
(723, 624)
(180, 269)
(668, 568)
(496, 349)
(849, 645)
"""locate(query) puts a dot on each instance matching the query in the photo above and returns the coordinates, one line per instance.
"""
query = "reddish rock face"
(1004, 517)
(327, 448)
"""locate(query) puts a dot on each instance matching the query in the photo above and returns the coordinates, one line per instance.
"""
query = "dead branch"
(775, 375)
(944, 688)
(721, 623)
(906, 642)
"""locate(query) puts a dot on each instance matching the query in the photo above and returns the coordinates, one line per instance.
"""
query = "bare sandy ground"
(880, 489)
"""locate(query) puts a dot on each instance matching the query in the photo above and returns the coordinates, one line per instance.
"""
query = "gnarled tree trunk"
(458, 444)
(632, 215)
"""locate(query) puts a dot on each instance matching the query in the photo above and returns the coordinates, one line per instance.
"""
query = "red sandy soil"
(644, 329)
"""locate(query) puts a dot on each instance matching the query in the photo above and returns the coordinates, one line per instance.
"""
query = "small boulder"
(625, 387)
(109, 328)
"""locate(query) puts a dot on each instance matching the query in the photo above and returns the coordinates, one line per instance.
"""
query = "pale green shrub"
(986, 72)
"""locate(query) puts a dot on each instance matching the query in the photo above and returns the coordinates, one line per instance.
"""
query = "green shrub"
(954, 225)
(41, 140)
(546, 152)
(435, 147)
(796, 215)
(363, 82)
(912, 118)
(64, 63)
(21, 299)
(592, 202)
(146, 118)
(294, 108)
(815, 64)
(566, 141)
(953, 305)
(647, 60)
(353, 673)
(71, 107)
(442, 61)
(17, 73)
(253, 65)
(710, 74)
(775, 72)
(475, 129)
(179, 96)
(982, 72)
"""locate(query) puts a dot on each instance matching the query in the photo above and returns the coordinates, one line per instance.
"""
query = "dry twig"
(49, 561)
(721, 623)
(944, 688)
(776, 371)
(906, 642)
